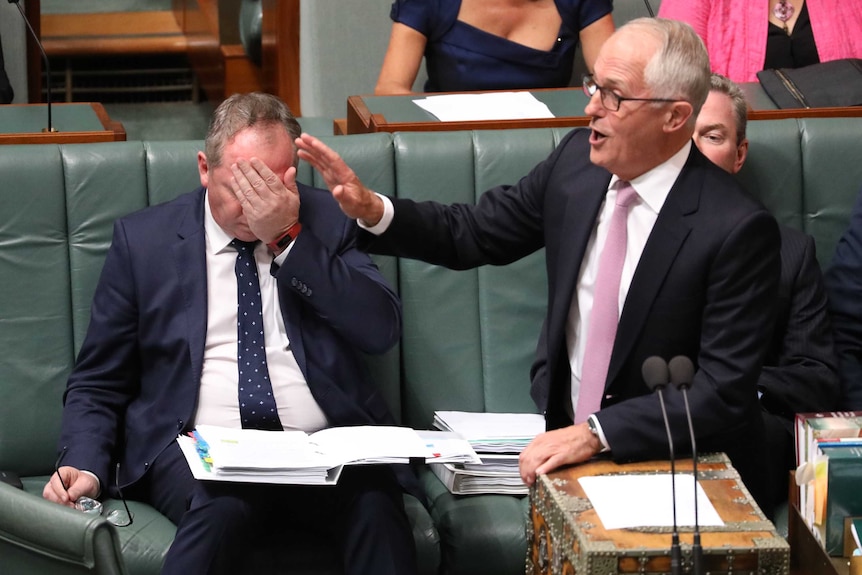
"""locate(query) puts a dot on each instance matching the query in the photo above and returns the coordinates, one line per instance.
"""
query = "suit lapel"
(189, 254)
(582, 202)
(666, 239)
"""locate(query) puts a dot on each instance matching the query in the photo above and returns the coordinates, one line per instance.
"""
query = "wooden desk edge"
(807, 556)
(113, 131)
(846, 112)
(360, 120)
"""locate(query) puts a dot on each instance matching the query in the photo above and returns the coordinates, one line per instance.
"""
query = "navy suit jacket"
(704, 287)
(800, 372)
(844, 286)
(135, 385)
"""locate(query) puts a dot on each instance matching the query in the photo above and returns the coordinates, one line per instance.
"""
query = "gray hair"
(680, 67)
(729, 88)
(242, 111)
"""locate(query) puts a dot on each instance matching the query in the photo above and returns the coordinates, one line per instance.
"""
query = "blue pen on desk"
(203, 450)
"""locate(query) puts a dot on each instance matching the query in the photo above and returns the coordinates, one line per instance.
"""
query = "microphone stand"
(696, 548)
(35, 37)
(655, 373)
(681, 375)
(649, 9)
(675, 550)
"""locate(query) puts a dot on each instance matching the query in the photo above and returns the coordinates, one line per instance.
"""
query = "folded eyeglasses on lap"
(118, 517)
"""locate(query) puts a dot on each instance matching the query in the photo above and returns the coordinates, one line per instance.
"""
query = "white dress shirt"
(652, 188)
(218, 399)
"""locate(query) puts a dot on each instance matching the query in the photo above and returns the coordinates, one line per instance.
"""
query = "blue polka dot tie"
(257, 407)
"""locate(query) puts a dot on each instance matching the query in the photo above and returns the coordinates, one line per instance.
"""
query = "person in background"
(800, 373)
(844, 287)
(491, 44)
(744, 37)
(6, 92)
(651, 250)
(167, 349)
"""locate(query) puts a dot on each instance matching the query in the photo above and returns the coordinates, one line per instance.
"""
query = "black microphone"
(50, 127)
(681, 375)
(655, 373)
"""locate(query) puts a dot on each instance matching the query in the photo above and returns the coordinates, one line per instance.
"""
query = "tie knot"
(626, 194)
(241, 245)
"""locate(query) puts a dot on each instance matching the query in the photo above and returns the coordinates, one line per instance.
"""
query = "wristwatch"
(591, 422)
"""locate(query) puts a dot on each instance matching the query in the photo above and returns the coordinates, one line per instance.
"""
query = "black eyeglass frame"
(590, 88)
(129, 515)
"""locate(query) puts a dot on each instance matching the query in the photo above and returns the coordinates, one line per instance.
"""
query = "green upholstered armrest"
(37, 536)
(478, 533)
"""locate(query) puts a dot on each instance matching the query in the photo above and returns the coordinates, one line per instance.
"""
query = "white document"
(484, 106)
(492, 432)
(307, 476)
(474, 482)
(448, 447)
(296, 457)
(626, 501)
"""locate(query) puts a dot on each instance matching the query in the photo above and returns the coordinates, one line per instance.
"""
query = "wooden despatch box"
(565, 535)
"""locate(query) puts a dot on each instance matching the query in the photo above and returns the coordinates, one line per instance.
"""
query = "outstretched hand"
(553, 449)
(356, 201)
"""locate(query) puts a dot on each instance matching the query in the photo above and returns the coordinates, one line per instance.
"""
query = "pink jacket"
(734, 31)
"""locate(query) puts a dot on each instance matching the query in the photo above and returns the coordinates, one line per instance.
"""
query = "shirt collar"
(217, 239)
(654, 186)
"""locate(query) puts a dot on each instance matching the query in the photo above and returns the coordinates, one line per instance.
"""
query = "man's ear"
(203, 169)
(741, 154)
(678, 116)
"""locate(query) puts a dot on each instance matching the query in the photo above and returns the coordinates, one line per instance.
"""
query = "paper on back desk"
(485, 106)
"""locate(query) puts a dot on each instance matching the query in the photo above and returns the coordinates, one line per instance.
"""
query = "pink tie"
(606, 310)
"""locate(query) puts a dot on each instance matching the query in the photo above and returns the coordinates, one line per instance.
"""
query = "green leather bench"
(468, 336)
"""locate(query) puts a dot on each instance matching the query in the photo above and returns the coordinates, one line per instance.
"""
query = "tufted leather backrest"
(469, 336)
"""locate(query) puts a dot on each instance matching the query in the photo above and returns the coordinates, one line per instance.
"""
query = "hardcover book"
(838, 476)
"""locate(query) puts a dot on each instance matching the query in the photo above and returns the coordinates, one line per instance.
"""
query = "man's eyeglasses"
(119, 517)
(610, 100)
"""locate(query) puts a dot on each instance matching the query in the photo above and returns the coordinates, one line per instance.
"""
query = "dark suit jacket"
(800, 372)
(704, 287)
(135, 385)
(844, 287)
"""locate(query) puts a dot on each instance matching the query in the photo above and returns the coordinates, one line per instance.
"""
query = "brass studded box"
(566, 536)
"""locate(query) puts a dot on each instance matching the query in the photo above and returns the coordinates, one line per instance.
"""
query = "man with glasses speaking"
(651, 250)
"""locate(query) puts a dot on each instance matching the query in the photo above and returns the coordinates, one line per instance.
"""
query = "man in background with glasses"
(651, 250)
(800, 373)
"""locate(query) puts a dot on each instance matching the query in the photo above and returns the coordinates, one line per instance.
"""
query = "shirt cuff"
(383, 224)
(279, 259)
(601, 434)
(98, 483)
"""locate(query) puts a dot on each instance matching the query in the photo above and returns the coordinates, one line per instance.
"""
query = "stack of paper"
(498, 438)
(492, 432)
(228, 454)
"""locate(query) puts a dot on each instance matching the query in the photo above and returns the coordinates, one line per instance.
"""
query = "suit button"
(309, 292)
(179, 424)
(146, 464)
(293, 282)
